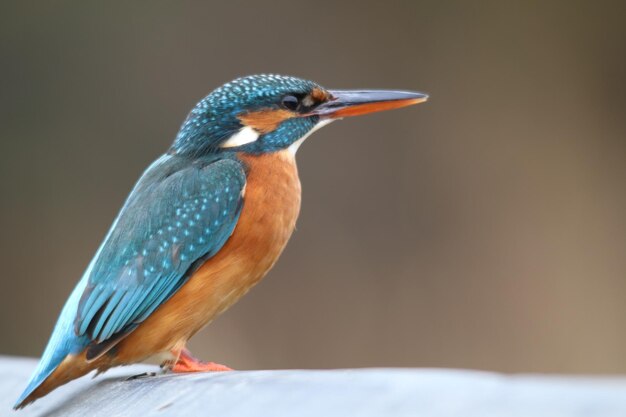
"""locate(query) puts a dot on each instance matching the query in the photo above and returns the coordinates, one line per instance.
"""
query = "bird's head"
(267, 113)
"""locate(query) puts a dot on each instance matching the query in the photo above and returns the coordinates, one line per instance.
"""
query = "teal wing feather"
(175, 219)
(179, 214)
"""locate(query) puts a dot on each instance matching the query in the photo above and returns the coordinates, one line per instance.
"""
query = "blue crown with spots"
(214, 118)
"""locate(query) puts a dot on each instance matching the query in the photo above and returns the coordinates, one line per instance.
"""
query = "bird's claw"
(140, 376)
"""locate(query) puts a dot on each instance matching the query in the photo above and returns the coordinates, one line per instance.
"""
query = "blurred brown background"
(485, 229)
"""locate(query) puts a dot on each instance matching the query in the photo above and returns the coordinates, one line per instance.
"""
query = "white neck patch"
(293, 148)
(248, 135)
(245, 135)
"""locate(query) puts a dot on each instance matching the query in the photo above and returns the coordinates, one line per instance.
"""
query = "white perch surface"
(316, 393)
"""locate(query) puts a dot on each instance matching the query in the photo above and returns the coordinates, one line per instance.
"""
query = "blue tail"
(62, 343)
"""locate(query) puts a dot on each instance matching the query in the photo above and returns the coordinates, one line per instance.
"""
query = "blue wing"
(178, 215)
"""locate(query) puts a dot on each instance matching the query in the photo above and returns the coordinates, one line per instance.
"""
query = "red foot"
(187, 363)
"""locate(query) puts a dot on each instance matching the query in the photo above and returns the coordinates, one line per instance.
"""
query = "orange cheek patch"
(265, 121)
(319, 95)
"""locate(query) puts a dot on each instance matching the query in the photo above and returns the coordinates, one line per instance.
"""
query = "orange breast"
(268, 217)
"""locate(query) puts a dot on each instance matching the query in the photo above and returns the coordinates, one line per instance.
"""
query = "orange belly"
(268, 217)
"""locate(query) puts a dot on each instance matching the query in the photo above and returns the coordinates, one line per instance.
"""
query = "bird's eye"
(290, 102)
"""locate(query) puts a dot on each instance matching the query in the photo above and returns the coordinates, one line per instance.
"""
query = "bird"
(203, 224)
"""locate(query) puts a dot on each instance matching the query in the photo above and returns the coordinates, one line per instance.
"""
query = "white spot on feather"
(244, 135)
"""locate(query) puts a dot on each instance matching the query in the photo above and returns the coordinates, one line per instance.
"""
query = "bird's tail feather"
(43, 371)
(63, 346)
(52, 377)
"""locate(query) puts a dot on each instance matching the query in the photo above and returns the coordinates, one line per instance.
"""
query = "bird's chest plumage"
(268, 217)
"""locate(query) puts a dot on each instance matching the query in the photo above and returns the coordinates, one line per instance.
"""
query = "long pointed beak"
(346, 103)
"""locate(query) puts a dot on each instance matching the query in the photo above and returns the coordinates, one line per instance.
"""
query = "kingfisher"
(204, 223)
